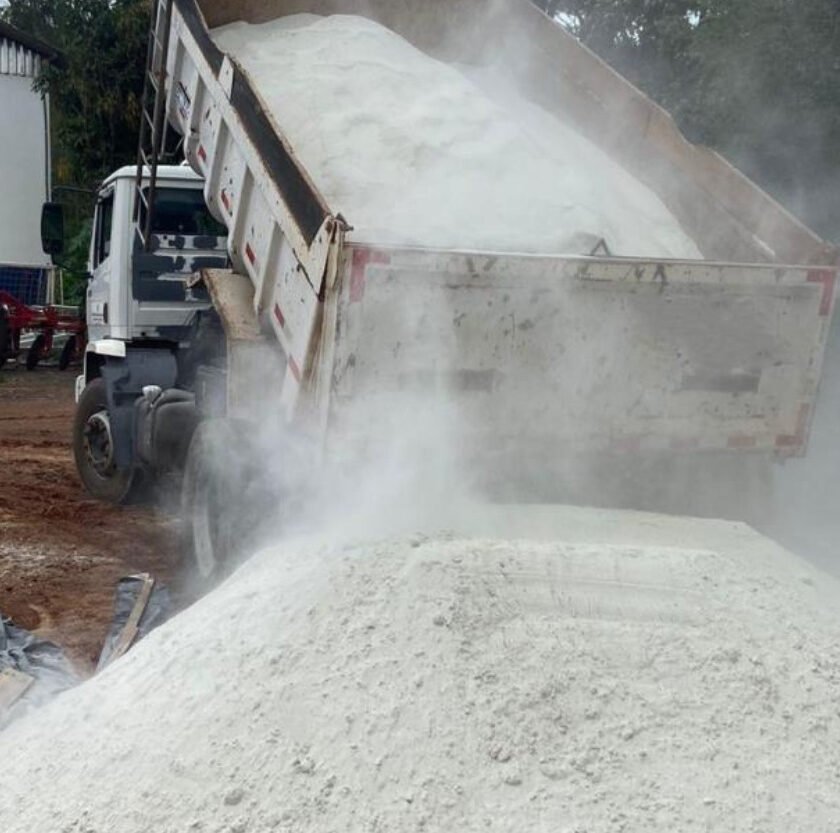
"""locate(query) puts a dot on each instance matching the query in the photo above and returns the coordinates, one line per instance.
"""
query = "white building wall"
(24, 163)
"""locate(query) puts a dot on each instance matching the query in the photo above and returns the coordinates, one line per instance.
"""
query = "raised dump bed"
(547, 354)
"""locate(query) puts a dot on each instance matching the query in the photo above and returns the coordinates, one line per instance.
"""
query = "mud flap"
(125, 380)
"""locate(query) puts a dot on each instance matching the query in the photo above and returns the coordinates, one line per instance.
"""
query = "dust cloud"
(805, 515)
(413, 433)
(657, 674)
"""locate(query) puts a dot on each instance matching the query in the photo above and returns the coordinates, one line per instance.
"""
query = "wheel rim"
(99, 444)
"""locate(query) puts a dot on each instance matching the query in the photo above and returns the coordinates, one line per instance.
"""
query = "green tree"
(758, 80)
(95, 98)
(768, 96)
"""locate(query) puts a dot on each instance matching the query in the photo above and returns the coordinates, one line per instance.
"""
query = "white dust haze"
(404, 657)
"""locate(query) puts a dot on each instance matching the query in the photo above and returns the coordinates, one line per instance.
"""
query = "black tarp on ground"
(47, 665)
(47, 669)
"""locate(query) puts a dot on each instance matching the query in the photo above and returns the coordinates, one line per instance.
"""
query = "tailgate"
(585, 354)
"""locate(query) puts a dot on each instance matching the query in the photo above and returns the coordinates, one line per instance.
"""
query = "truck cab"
(136, 294)
(143, 315)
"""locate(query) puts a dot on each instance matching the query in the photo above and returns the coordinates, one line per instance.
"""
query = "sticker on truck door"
(183, 101)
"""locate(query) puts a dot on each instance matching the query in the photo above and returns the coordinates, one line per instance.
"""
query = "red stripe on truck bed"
(795, 441)
(741, 441)
(278, 314)
(627, 445)
(293, 366)
(361, 259)
(684, 444)
(827, 277)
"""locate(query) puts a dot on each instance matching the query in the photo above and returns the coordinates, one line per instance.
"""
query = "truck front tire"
(68, 353)
(36, 352)
(93, 448)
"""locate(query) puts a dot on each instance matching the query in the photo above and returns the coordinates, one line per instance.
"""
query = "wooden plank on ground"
(132, 625)
(13, 685)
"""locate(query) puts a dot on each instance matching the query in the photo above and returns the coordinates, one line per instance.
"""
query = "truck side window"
(182, 211)
(104, 215)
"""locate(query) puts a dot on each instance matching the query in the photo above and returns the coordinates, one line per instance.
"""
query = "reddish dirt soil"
(61, 553)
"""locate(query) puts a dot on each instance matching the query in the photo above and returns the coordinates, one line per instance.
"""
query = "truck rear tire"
(68, 353)
(218, 499)
(93, 448)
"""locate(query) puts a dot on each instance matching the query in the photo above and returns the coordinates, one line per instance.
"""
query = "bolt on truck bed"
(592, 354)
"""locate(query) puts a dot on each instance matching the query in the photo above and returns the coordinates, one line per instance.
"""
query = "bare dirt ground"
(61, 553)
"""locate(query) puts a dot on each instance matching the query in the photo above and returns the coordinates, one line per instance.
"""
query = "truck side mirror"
(52, 229)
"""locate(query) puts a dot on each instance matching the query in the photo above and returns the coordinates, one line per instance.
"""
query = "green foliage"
(75, 261)
(96, 97)
(769, 98)
(758, 80)
(95, 100)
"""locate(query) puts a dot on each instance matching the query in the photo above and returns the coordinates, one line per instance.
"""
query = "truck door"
(100, 315)
(184, 238)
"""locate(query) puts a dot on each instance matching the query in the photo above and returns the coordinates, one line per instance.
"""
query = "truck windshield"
(183, 211)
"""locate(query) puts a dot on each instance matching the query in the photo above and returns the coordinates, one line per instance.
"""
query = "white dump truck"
(243, 283)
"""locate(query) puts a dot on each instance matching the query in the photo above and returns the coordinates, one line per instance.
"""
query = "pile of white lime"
(622, 678)
(412, 151)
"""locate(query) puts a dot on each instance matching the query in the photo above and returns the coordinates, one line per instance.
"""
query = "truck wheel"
(67, 353)
(35, 353)
(219, 517)
(4, 336)
(93, 448)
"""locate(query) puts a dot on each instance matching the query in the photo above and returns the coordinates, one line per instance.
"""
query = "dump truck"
(231, 283)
